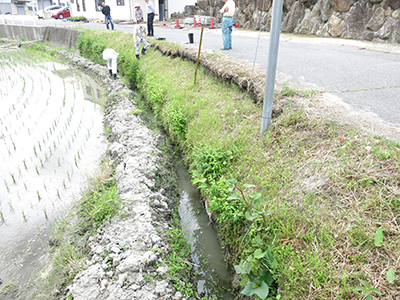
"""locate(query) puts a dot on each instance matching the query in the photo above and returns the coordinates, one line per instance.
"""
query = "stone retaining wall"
(371, 20)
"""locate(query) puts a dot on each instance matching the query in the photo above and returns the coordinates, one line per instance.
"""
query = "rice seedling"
(41, 162)
(45, 213)
(13, 179)
(26, 188)
(24, 216)
(6, 185)
(58, 194)
(37, 170)
(11, 206)
(2, 217)
(26, 168)
(38, 195)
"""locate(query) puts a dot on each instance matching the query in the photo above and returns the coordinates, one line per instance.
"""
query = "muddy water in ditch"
(50, 142)
(213, 275)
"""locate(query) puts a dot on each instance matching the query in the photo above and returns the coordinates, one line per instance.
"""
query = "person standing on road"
(228, 10)
(150, 17)
(139, 36)
(111, 57)
(138, 13)
(107, 15)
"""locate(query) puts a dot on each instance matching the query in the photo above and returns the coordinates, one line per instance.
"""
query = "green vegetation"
(99, 203)
(77, 18)
(297, 209)
(179, 269)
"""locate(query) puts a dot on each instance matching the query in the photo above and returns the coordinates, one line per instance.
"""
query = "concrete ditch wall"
(54, 36)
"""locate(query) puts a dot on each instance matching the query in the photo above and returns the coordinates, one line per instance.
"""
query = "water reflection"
(50, 142)
(213, 275)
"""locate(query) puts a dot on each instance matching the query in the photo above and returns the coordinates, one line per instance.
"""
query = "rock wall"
(371, 20)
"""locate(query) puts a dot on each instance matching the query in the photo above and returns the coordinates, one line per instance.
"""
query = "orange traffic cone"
(199, 23)
(177, 22)
(194, 21)
(212, 24)
(164, 24)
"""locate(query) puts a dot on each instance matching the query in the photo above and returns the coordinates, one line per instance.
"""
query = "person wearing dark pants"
(111, 57)
(150, 17)
(107, 15)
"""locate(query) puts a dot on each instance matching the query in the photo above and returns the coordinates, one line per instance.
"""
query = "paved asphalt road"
(364, 75)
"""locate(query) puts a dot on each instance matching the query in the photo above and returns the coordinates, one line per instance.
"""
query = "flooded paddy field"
(50, 143)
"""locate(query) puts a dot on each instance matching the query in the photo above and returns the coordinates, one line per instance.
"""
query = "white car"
(48, 11)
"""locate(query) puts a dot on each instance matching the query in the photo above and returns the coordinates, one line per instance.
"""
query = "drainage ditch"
(44, 176)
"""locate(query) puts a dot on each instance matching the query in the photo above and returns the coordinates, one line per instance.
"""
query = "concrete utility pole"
(276, 22)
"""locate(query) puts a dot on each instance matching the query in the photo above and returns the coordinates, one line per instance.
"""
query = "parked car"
(61, 14)
(48, 11)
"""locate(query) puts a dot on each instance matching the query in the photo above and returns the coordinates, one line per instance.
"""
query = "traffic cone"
(164, 24)
(177, 22)
(194, 21)
(199, 23)
(212, 24)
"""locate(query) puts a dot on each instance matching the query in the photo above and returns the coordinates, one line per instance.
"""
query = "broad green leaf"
(202, 186)
(248, 290)
(266, 276)
(202, 180)
(250, 217)
(232, 181)
(255, 198)
(379, 237)
(262, 290)
(369, 298)
(358, 289)
(365, 283)
(259, 254)
(239, 269)
(247, 267)
(391, 275)
(233, 197)
(257, 240)
(376, 291)
(248, 185)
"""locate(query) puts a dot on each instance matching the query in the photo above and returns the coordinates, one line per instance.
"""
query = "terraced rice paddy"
(50, 142)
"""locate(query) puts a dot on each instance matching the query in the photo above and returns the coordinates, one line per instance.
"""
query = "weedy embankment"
(308, 211)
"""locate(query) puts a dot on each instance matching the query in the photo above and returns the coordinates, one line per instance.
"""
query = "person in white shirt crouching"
(140, 36)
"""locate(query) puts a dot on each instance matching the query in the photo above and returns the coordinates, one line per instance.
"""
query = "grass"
(326, 186)
(99, 203)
